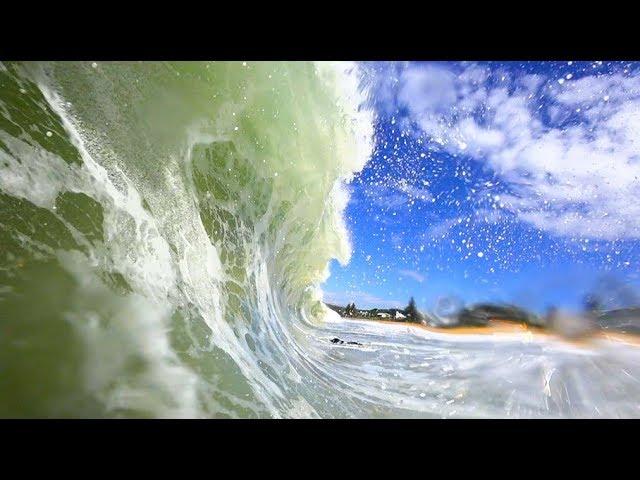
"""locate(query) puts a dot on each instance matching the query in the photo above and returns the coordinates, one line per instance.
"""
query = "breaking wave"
(165, 228)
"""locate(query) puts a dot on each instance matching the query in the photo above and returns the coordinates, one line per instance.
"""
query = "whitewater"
(165, 229)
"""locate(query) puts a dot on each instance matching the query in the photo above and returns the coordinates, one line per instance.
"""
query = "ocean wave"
(190, 211)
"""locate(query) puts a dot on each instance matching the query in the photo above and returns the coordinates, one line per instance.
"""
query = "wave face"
(165, 228)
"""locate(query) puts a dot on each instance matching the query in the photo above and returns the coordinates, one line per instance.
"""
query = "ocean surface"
(164, 230)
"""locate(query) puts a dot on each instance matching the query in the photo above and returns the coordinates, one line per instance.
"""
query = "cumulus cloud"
(568, 149)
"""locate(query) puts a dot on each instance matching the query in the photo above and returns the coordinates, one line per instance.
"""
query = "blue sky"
(498, 181)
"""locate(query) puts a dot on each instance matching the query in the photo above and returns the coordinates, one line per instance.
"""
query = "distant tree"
(412, 311)
(350, 309)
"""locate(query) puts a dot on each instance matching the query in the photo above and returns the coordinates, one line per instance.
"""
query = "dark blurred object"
(480, 314)
(614, 305)
(614, 293)
(624, 320)
(336, 340)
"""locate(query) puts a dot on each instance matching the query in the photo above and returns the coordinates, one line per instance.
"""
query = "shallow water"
(405, 371)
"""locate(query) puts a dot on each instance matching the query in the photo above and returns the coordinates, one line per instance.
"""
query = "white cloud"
(573, 167)
(440, 229)
(418, 277)
(413, 192)
(429, 89)
(387, 198)
(397, 194)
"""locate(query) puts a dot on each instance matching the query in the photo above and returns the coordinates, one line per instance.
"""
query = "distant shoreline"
(492, 319)
(508, 327)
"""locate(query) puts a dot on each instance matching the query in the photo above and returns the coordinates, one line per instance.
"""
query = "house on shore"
(380, 313)
(391, 314)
